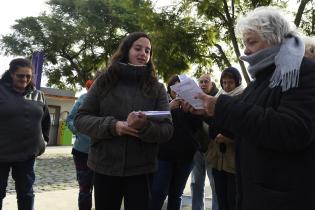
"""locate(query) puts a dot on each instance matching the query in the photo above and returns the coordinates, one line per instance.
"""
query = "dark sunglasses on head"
(21, 76)
(204, 81)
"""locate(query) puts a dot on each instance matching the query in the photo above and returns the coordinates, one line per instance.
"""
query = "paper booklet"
(159, 115)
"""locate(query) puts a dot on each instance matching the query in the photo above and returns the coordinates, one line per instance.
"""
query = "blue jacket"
(82, 142)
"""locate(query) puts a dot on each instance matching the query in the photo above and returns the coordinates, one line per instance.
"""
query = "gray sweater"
(115, 155)
(24, 124)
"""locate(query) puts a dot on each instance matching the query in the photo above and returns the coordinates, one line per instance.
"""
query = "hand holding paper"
(208, 103)
(187, 89)
(136, 120)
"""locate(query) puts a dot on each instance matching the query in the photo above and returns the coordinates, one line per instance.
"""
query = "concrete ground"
(56, 187)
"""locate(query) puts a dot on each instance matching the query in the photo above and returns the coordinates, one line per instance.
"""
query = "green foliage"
(222, 16)
(178, 43)
(307, 24)
(78, 37)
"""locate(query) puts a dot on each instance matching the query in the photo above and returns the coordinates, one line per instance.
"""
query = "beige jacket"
(223, 161)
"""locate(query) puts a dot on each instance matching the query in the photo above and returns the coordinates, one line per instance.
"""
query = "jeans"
(198, 183)
(109, 191)
(169, 180)
(84, 177)
(24, 176)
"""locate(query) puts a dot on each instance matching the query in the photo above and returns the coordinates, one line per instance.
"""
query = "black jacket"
(24, 124)
(203, 138)
(275, 148)
(182, 146)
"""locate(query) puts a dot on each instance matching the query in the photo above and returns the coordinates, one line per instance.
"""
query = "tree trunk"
(223, 56)
(230, 23)
(300, 11)
(313, 22)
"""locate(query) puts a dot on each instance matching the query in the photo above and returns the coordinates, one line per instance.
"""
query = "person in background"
(80, 152)
(124, 149)
(175, 160)
(24, 130)
(274, 120)
(221, 151)
(309, 47)
(200, 169)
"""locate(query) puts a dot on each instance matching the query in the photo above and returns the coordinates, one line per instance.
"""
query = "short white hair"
(309, 47)
(269, 22)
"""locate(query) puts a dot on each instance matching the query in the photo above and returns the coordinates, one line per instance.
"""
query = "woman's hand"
(122, 128)
(137, 120)
(186, 107)
(222, 139)
(208, 103)
(219, 139)
(175, 103)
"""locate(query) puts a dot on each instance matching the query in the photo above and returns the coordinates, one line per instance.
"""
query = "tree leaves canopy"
(78, 37)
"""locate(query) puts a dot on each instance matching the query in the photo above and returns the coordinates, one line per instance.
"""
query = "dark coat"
(182, 146)
(202, 136)
(125, 155)
(24, 123)
(275, 141)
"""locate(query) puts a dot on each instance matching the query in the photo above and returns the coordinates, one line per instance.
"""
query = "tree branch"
(300, 11)
(230, 25)
(74, 65)
(223, 56)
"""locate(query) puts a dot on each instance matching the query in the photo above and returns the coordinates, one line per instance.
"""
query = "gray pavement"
(56, 187)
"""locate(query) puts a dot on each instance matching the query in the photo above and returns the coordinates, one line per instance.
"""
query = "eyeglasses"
(204, 81)
(21, 76)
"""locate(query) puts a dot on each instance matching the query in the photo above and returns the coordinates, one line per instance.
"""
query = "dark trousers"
(225, 188)
(110, 190)
(24, 176)
(169, 180)
(84, 177)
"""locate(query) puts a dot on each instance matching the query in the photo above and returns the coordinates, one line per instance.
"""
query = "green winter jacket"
(115, 155)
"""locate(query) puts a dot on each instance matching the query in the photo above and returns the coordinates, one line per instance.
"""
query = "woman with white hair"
(274, 120)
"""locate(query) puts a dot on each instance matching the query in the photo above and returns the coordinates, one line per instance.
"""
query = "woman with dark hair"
(125, 141)
(175, 158)
(221, 151)
(24, 128)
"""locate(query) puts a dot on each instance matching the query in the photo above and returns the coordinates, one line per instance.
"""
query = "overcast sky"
(12, 10)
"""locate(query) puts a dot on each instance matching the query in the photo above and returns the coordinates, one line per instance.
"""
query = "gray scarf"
(287, 57)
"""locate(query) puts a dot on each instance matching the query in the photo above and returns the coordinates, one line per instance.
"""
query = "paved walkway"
(56, 187)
